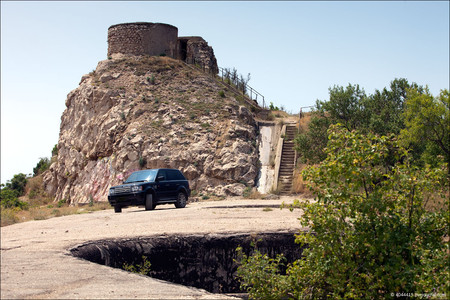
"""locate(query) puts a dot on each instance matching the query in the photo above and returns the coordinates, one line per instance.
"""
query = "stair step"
(287, 163)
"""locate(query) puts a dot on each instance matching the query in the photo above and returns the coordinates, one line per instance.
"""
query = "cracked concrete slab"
(36, 263)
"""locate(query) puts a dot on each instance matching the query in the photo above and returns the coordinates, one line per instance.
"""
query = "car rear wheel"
(181, 200)
(149, 205)
(117, 209)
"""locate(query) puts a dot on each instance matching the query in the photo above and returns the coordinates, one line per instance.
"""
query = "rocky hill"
(138, 112)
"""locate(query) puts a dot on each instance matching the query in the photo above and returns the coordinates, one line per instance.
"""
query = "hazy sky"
(294, 51)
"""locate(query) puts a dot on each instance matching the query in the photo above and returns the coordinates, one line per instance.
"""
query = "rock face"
(141, 112)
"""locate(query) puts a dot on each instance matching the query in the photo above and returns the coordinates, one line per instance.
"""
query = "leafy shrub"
(61, 203)
(18, 183)
(142, 268)
(55, 150)
(42, 166)
(310, 144)
(142, 161)
(247, 191)
(273, 107)
(261, 275)
(9, 199)
(222, 94)
(370, 233)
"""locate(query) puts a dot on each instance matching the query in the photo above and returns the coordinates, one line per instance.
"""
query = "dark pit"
(202, 261)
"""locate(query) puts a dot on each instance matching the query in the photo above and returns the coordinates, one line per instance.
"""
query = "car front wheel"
(149, 205)
(117, 209)
(181, 200)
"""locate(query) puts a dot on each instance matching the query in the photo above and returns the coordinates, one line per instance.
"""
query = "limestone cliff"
(138, 112)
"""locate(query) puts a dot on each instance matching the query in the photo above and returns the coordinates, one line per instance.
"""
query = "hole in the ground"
(202, 261)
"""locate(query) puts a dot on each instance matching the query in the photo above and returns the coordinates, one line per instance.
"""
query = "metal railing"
(232, 80)
(241, 86)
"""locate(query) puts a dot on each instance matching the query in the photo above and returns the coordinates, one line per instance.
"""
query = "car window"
(179, 175)
(144, 175)
(172, 175)
(162, 173)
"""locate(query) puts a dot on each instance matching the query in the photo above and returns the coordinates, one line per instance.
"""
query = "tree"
(310, 143)
(55, 150)
(427, 120)
(42, 166)
(380, 113)
(370, 234)
(384, 109)
(345, 106)
(18, 183)
(9, 199)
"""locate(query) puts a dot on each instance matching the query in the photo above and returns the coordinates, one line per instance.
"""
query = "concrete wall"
(143, 39)
(207, 262)
(269, 136)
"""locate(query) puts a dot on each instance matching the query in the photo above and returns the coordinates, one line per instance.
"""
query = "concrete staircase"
(287, 163)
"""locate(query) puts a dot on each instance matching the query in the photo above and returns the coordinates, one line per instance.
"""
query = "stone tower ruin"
(157, 39)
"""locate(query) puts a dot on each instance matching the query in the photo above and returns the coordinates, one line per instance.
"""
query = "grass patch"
(11, 216)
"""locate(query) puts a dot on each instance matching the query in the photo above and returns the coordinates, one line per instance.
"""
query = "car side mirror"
(159, 178)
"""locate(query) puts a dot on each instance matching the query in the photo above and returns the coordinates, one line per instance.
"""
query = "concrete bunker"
(202, 261)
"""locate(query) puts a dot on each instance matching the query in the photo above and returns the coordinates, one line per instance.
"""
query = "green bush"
(42, 166)
(55, 150)
(9, 199)
(370, 234)
(273, 107)
(61, 203)
(18, 183)
(142, 268)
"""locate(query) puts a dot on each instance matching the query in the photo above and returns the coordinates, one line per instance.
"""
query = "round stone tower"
(143, 38)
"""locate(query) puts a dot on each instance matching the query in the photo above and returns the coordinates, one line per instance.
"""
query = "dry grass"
(298, 184)
(11, 216)
(254, 194)
(304, 121)
(42, 207)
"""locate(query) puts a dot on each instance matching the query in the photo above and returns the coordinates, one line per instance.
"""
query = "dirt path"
(36, 264)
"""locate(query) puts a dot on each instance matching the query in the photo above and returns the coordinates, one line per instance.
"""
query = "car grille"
(122, 190)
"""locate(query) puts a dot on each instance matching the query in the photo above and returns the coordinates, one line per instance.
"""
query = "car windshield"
(145, 175)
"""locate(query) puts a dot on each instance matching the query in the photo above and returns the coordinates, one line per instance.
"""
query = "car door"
(173, 184)
(162, 186)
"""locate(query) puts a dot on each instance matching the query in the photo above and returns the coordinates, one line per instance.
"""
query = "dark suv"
(151, 188)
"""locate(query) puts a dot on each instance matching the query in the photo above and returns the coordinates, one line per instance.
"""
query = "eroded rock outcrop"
(138, 112)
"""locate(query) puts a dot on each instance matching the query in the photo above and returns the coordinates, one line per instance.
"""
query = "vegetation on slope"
(379, 225)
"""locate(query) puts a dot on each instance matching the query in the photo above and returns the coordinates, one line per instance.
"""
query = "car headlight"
(111, 192)
(136, 188)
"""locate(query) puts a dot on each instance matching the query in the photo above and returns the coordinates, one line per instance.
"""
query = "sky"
(294, 50)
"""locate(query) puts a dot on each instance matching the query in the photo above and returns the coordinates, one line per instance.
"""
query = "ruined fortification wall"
(143, 39)
(152, 39)
(195, 50)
